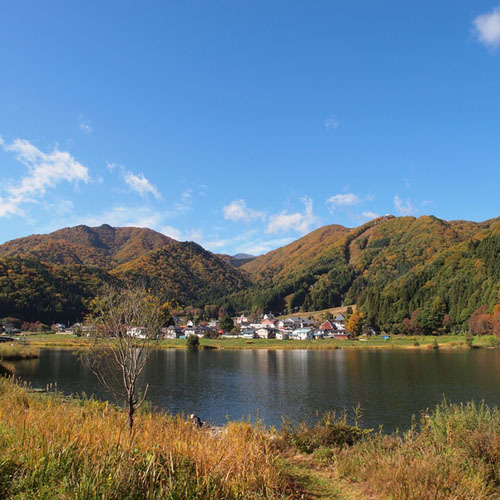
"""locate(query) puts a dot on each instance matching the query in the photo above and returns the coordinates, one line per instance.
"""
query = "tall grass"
(57, 447)
(15, 352)
(453, 454)
(52, 447)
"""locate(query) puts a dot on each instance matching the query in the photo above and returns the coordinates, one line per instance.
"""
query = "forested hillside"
(184, 273)
(102, 246)
(52, 277)
(431, 272)
(417, 275)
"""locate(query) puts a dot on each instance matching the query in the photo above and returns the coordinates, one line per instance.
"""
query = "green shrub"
(193, 343)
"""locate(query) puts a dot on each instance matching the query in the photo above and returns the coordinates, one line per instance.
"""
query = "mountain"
(409, 274)
(392, 267)
(103, 246)
(53, 276)
(184, 273)
(236, 260)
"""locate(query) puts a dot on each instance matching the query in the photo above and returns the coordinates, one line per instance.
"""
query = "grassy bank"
(16, 352)
(56, 447)
(374, 342)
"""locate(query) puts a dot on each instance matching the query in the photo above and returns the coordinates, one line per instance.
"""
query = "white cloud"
(172, 232)
(300, 222)
(237, 210)
(140, 184)
(370, 215)
(342, 200)
(487, 28)
(195, 235)
(404, 207)
(186, 202)
(85, 125)
(332, 123)
(137, 216)
(45, 170)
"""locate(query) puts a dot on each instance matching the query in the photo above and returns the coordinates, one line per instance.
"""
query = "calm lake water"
(390, 386)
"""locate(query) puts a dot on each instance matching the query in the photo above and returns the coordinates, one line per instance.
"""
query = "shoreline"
(395, 342)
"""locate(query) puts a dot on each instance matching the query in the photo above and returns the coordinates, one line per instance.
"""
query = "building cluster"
(295, 328)
(267, 327)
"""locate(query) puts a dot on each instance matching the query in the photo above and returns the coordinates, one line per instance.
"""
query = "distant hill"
(53, 276)
(236, 260)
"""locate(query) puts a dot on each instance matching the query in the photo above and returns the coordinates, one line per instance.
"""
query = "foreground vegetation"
(57, 447)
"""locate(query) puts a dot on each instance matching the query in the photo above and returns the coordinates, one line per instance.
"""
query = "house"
(282, 335)
(342, 335)
(295, 323)
(328, 327)
(242, 320)
(248, 333)
(318, 334)
(265, 333)
(172, 332)
(339, 319)
(137, 332)
(190, 324)
(303, 334)
(268, 322)
(198, 330)
(58, 327)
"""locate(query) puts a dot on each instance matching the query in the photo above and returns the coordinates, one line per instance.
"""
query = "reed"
(454, 453)
(54, 447)
(16, 352)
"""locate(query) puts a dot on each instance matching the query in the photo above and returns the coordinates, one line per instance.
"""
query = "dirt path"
(319, 483)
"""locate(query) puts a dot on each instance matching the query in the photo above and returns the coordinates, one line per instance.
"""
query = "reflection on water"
(390, 386)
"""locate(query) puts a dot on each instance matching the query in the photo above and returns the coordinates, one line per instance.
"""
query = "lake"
(390, 385)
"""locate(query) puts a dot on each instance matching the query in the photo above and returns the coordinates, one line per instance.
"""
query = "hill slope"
(390, 267)
(102, 246)
(52, 277)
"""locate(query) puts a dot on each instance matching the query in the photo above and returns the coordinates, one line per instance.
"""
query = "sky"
(245, 124)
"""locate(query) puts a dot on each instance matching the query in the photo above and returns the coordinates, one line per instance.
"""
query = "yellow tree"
(355, 323)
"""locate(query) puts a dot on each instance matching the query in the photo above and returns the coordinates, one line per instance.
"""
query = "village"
(267, 327)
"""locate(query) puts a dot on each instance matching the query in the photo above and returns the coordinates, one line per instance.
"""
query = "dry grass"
(52, 447)
(455, 454)
(15, 352)
(64, 448)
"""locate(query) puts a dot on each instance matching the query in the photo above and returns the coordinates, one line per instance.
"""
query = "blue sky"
(241, 124)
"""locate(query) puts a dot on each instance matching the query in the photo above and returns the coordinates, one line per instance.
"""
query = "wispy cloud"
(252, 242)
(332, 123)
(404, 207)
(186, 202)
(237, 210)
(172, 232)
(123, 215)
(45, 171)
(299, 222)
(342, 200)
(140, 184)
(85, 125)
(136, 182)
(487, 28)
(370, 215)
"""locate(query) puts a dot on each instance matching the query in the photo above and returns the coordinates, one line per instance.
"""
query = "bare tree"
(125, 326)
